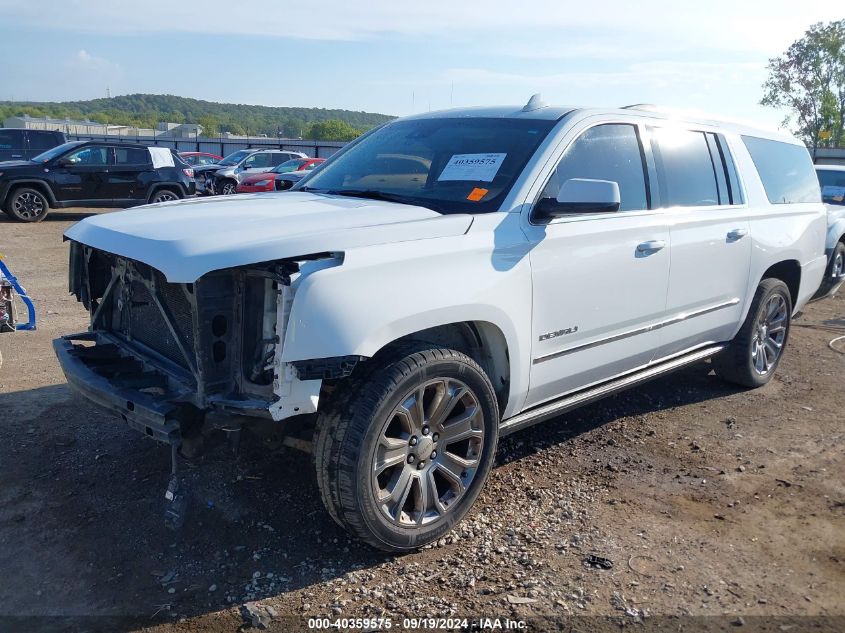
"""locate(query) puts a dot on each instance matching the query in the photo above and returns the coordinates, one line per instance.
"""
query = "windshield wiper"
(370, 194)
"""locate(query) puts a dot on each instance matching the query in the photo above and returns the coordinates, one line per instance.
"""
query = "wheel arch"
(33, 183)
(789, 272)
(482, 341)
(175, 186)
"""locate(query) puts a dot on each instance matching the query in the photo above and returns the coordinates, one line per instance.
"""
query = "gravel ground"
(708, 501)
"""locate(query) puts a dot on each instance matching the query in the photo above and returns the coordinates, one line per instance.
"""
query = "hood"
(214, 167)
(8, 164)
(189, 238)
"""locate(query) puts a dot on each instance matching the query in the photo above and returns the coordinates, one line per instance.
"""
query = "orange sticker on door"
(477, 194)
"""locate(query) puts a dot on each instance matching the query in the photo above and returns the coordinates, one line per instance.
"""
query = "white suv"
(442, 281)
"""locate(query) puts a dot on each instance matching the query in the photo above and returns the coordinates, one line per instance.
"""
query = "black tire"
(27, 205)
(737, 363)
(832, 275)
(164, 195)
(227, 187)
(357, 417)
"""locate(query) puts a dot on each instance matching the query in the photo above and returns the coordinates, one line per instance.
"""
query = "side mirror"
(581, 195)
(64, 162)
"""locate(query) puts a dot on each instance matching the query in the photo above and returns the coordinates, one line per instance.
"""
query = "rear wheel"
(835, 271)
(403, 451)
(164, 195)
(27, 205)
(755, 352)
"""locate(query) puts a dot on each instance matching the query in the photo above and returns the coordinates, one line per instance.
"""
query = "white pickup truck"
(444, 280)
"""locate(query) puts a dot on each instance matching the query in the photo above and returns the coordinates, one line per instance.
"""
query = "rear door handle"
(737, 234)
(652, 246)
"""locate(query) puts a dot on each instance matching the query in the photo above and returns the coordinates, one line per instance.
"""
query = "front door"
(81, 176)
(599, 280)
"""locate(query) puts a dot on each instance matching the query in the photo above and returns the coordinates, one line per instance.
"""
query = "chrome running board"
(580, 398)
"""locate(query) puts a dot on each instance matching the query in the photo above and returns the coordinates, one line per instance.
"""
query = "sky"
(400, 58)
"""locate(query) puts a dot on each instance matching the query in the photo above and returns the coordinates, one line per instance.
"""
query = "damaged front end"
(174, 358)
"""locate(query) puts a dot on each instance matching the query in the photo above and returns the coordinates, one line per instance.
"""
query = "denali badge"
(569, 330)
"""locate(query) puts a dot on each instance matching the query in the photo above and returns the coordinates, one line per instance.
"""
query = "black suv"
(92, 174)
(18, 144)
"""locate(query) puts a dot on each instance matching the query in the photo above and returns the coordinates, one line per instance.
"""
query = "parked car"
(267, 181)
(225, 180)
(445, 280)
(20, 144)
(196, 159)
(289, 179)
(832, 183)
(203, 172)
(92, 174)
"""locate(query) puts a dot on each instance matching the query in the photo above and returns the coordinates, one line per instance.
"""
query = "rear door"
(710, 233)
(130, 176)
(599, 280)
(12, 144)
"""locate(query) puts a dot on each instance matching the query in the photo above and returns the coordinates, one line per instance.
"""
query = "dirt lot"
(708, 500)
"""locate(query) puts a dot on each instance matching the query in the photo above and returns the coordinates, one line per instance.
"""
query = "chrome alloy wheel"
(769, 335)
(228, 188)
(428, 453)
(29, 205)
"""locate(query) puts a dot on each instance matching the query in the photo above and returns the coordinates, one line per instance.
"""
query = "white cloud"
(536, 27)
(85, 61)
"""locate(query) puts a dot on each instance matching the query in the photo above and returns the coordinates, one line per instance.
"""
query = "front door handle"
(652, 246)
(737, 234)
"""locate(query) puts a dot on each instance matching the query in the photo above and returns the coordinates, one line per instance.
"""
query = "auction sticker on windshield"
(472, 167)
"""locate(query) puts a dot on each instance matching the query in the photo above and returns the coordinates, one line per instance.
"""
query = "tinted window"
(605, 152)
(257, 160)
(684, 168)
(131, 156)
(831, 177)
(11, 139)
(785, 169)
(90, 155)
(39, 141)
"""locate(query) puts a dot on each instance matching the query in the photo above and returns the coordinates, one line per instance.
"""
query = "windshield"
(50, 154)
(451, 165)
(290, 165)
(235, 157)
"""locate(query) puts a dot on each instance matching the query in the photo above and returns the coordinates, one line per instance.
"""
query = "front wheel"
(227, 187)
(403, 448)
(27, 205)
(753, 355)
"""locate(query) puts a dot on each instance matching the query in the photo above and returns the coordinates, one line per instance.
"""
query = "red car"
(267, 181)
(196, 159)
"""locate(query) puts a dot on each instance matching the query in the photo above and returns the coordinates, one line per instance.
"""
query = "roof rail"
(534, 103)
(647, 107)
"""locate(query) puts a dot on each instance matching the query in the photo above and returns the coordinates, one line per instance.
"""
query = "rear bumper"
(112, 380)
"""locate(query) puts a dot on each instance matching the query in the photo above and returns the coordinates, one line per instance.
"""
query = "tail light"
(188, 172)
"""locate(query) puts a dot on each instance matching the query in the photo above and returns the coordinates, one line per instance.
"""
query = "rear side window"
(685, 169)
(43, 140)
(131, 156)
(831, 178)
(11, 139)
(785, 169)
(605, 152)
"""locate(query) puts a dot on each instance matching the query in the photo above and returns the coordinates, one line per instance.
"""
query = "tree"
(809, 80)
(332, 130)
